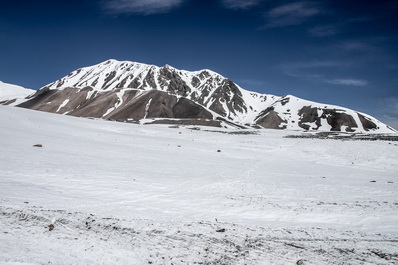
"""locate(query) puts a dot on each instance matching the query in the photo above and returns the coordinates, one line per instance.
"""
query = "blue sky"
(333, 51)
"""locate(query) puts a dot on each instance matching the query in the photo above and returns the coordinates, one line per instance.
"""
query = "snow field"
(323, 201)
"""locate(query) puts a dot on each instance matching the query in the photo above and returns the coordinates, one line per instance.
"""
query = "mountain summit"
(130, 91)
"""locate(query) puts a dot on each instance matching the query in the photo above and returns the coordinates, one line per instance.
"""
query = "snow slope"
(299, 113)
(138, 194)
(9, 91)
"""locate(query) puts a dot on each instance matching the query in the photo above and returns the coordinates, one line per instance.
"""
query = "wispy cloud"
(145, 7)
(291, 14)
(310, 71)
(350, 46)
(240, 4)
(347, 82)
(300, 69)
(323, 31)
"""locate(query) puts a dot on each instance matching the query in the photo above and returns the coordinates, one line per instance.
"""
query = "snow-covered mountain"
(128, 91)
(11, 93)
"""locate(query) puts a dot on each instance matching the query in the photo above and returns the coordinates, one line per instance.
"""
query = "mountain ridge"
(124, 90)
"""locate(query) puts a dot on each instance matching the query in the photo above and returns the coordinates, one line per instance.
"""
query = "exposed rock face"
(367, 123)
(133, 91)
(120, 104)
(309, 115)
(335, 118)
(270, 119)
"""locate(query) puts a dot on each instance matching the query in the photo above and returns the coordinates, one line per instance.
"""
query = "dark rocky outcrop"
(186, 108)
(270, 119)
(367, 123)
(338, 119)
(309, 115)
(335, 118)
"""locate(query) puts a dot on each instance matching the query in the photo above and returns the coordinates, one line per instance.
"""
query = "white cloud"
(240, 4)
(348, 82)
(146, 7)
(291, 14)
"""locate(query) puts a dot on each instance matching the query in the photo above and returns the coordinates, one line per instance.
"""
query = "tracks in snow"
(82, 238)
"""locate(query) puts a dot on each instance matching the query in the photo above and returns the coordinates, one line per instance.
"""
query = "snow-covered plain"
(120, 193)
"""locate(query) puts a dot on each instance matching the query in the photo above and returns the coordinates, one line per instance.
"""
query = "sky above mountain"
(333, 51)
